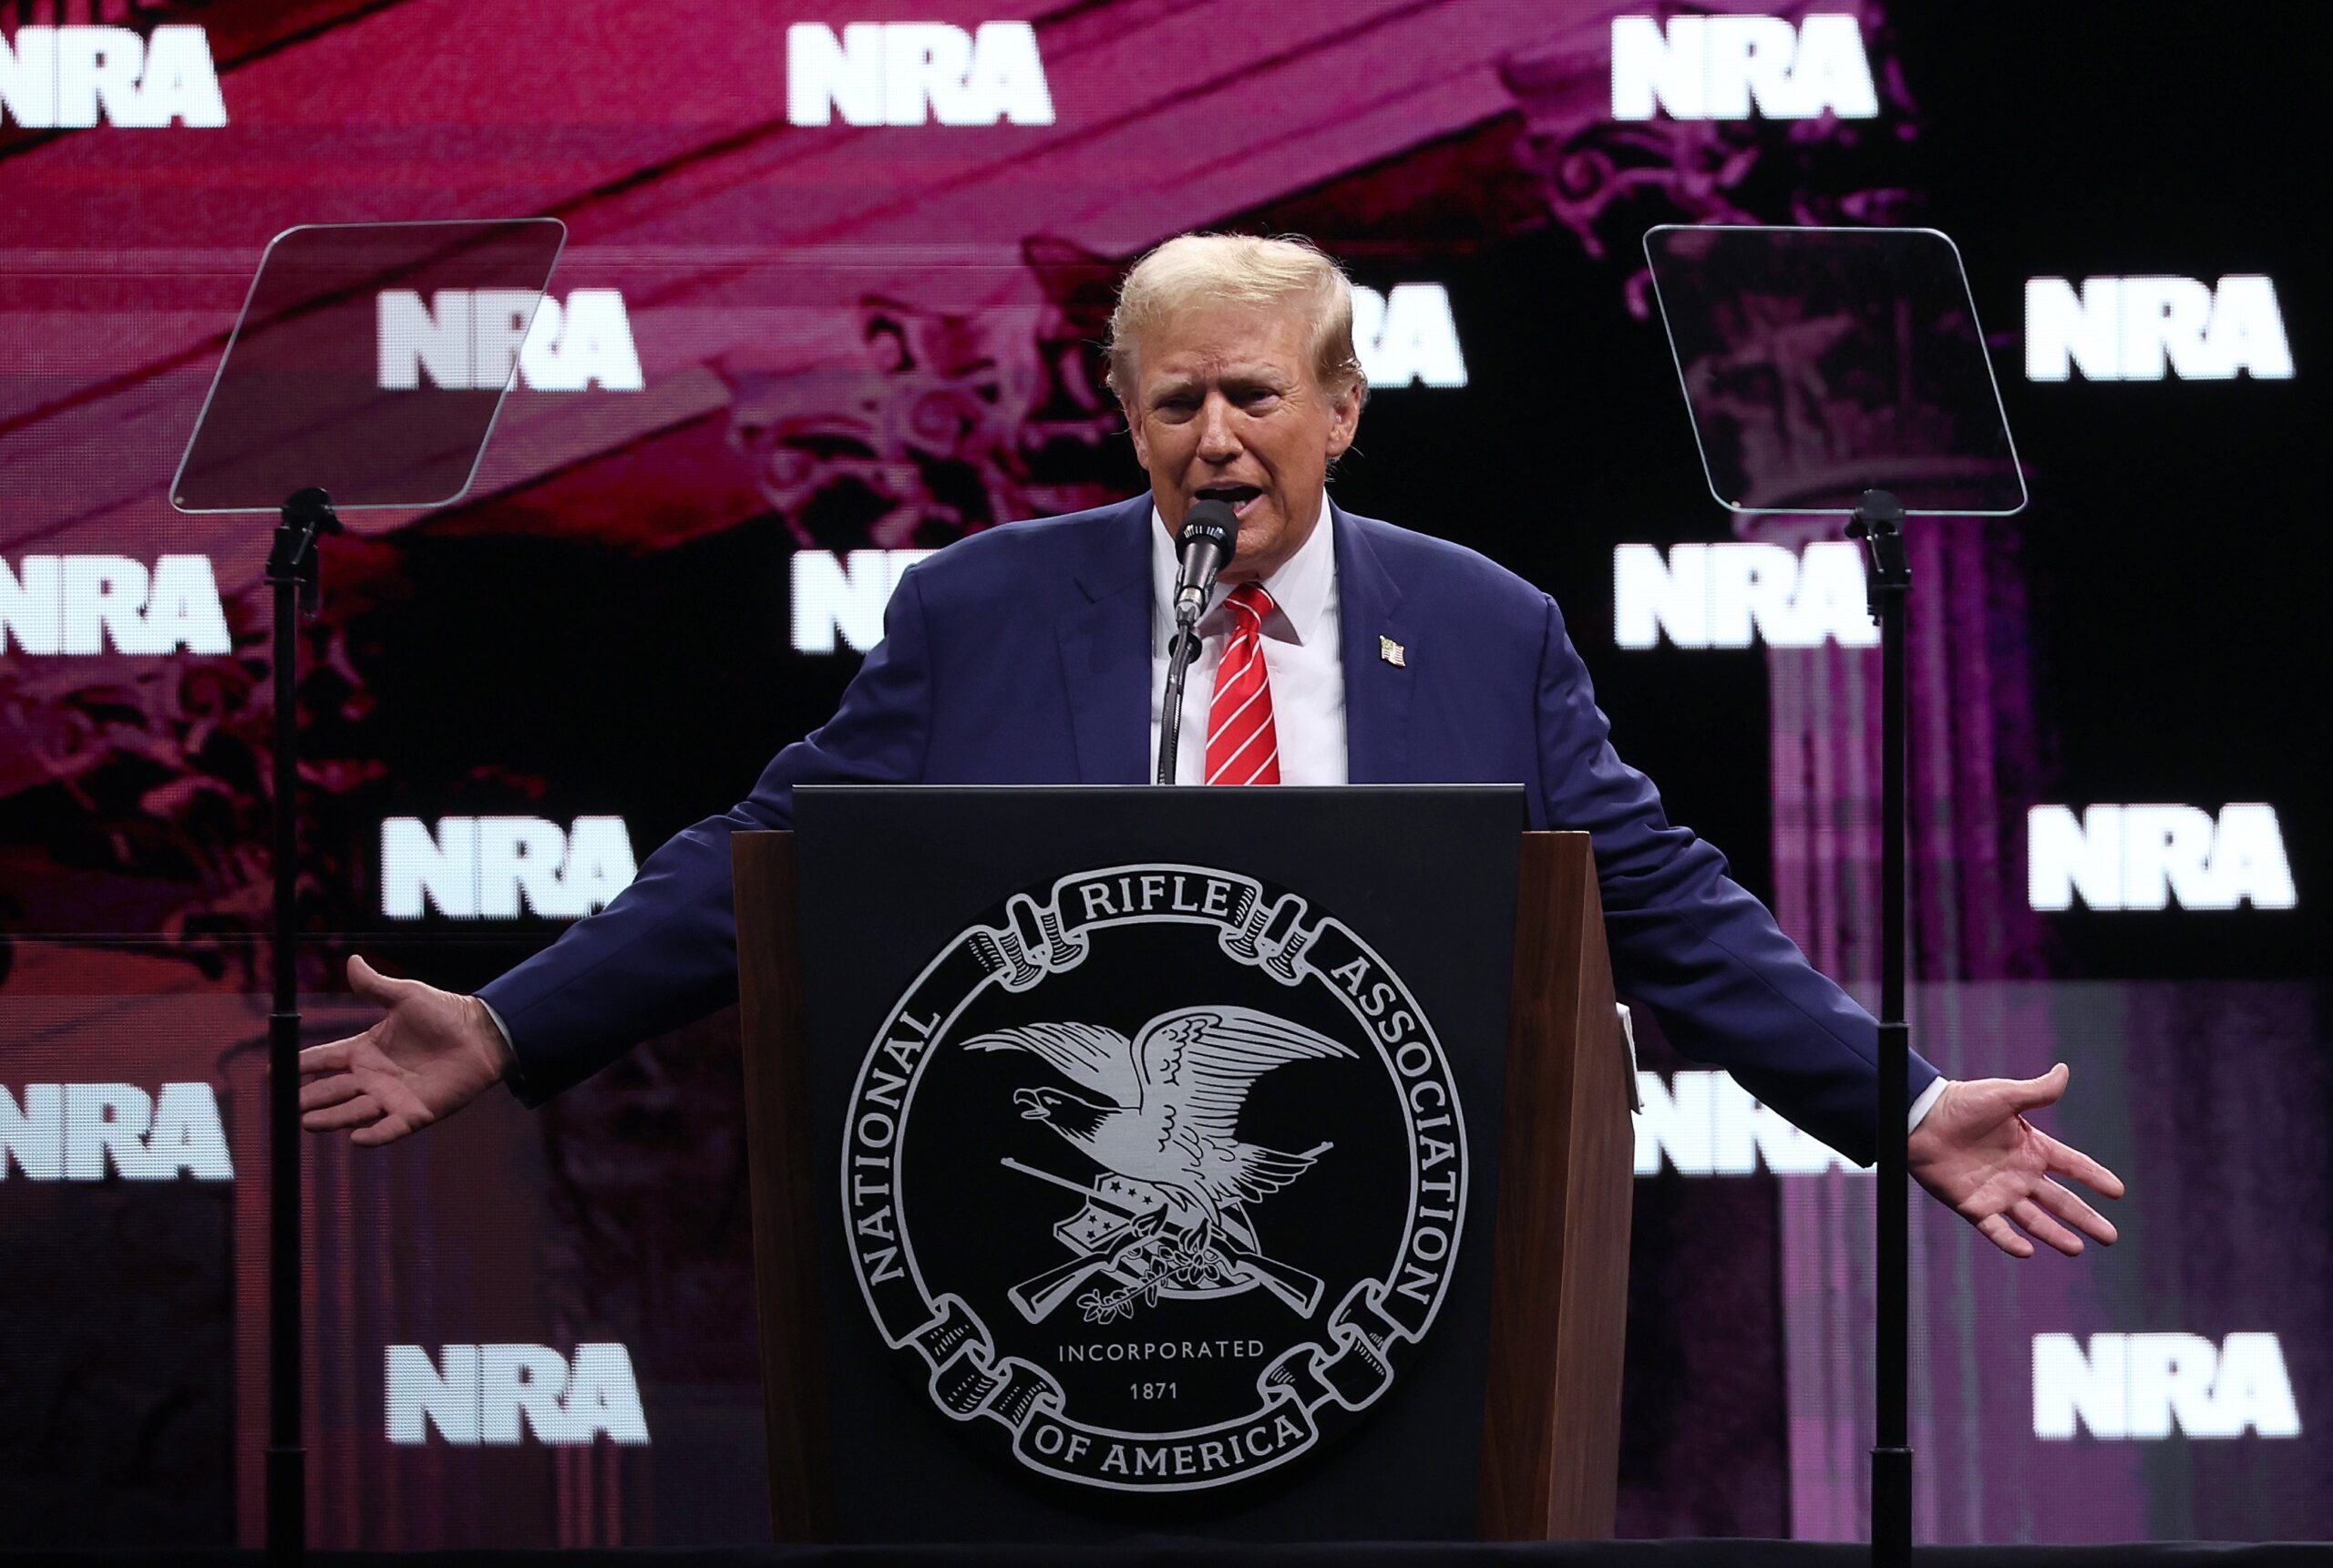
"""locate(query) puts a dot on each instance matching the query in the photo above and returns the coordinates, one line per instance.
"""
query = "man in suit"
(1338, 648)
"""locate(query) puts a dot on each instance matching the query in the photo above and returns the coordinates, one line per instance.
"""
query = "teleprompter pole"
(292, 572)
(1878, 526)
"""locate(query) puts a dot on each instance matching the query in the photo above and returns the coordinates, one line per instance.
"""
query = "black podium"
(1250, 1163)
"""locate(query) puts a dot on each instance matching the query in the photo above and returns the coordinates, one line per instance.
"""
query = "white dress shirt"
(1302, 644)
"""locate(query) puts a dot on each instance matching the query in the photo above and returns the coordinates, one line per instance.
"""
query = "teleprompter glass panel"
(1821, 363)
(370, 360)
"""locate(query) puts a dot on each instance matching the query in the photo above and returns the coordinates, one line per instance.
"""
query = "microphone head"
(1214, 522)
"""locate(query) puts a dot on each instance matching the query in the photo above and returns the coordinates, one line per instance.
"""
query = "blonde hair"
(1192, 270)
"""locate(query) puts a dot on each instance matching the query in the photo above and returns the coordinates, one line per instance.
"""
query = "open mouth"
(1033, 1109)
(1239, 498)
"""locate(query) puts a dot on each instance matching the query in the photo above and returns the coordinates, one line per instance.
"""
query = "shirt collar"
(1304, 590)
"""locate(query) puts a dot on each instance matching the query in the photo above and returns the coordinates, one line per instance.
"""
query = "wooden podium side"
(777, 1136)
(1560, 1285)
(1551, 1410)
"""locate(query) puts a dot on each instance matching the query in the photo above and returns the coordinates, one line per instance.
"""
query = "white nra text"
(465, 340)
(1731, 594)
(498, 1394)
(915, 73)
(498, 867)
(84, 1131)
(2143, 1386)
(97, 604)
(61, 79)
(1706, 1125)
(1721, 68)
(2143, 329)
(844, 596)
(2151, 857)
(1406, 337)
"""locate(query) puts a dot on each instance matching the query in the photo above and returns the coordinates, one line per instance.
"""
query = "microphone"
(1205, 545)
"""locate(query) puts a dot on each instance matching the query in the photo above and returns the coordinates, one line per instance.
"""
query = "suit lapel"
(1377, 691)
(1105, 651)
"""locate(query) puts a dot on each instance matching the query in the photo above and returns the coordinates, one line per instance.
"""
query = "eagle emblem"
(1080, 1241)
(1159, 1115)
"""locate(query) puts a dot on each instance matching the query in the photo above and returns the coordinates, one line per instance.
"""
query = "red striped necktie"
(1242, 748)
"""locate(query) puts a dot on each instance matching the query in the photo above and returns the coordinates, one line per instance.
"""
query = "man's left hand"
(1976, 1151)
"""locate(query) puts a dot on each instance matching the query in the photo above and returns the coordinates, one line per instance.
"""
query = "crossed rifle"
(1040, 1294)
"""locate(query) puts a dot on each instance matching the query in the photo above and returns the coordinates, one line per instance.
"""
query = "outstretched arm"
(662, 955)
(665, 953)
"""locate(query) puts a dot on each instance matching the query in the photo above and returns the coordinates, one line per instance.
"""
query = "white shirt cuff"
(510, 1052)
(1920, 1107)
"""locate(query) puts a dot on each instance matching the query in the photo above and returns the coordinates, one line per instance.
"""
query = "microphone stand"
(293, 570)
(1178, 665)
(1887, 581)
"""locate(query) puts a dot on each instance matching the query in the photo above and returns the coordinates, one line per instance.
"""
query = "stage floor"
(1157, 1552)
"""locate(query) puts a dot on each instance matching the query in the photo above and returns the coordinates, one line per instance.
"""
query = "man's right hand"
(432, 1054)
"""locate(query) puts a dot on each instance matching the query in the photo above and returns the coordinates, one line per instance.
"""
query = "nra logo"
(496, 1393)
(465, 340)
(84, 1132)
(915, 73)
(57, 79)
(95, 604)
(1719, 67)
(1706, 1125)
(2142, 329)
(1406, 337)
(496, 868)
(2143, 1386)
(2150, 857)
(843, 596)
(1730, 595)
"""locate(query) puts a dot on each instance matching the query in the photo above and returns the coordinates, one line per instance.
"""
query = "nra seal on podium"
(1155, 1178)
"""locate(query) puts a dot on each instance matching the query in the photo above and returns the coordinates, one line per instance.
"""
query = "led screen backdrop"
(831, 294)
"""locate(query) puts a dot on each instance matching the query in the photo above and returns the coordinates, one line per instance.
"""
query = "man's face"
(1227, 406)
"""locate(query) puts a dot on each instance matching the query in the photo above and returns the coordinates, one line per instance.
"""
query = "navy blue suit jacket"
(1022, 655)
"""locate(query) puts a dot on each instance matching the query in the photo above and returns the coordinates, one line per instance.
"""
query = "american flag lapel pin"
(1392, 652)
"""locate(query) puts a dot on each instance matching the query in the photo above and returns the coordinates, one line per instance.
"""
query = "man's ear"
(1344, 418)
(1134, 428)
